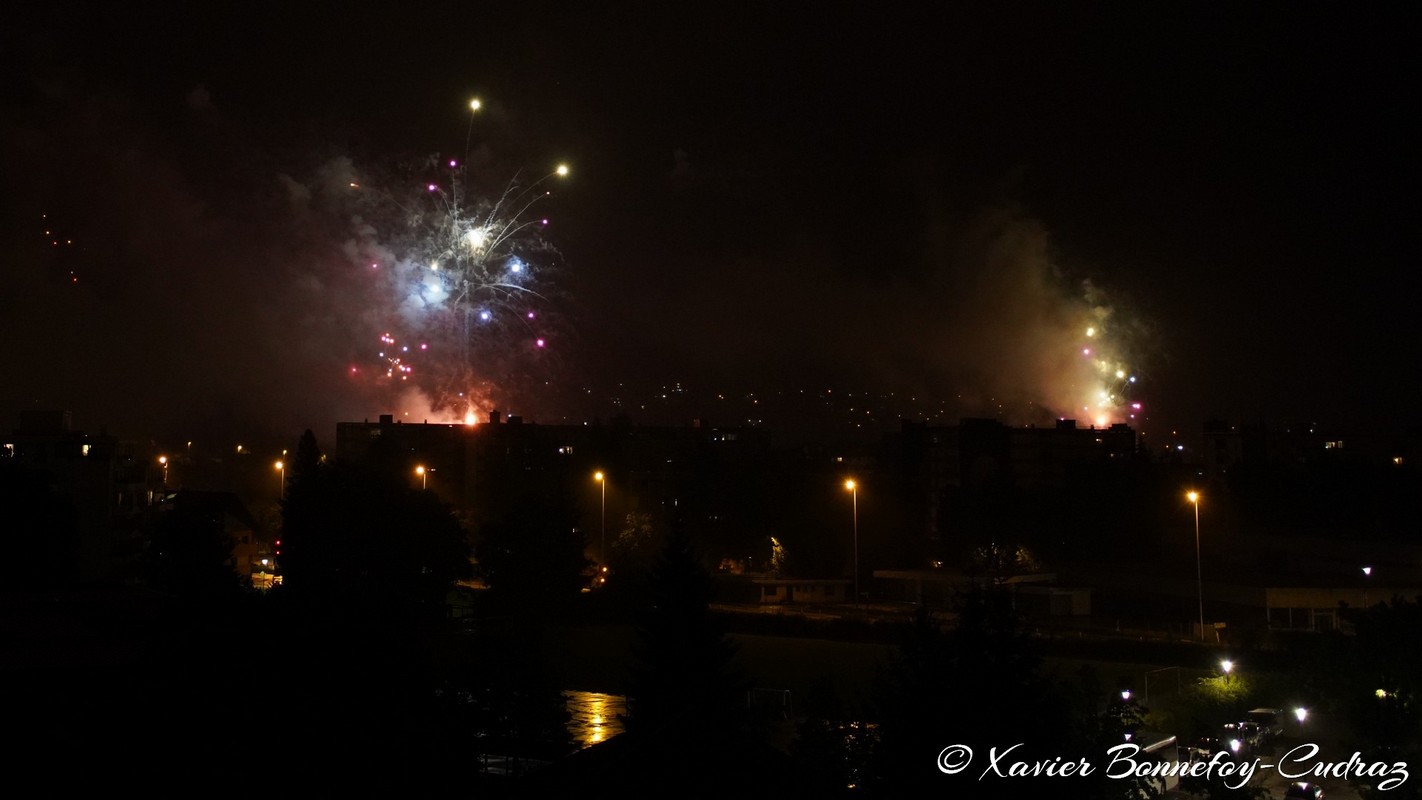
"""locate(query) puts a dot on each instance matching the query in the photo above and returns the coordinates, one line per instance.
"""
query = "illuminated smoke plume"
(1025, 341)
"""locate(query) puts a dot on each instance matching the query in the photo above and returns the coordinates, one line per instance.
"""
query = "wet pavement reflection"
(595, 718)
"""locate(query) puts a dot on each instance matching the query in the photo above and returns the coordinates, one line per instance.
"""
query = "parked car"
(1240, 741)
(1303, 791)
(1252, 734)
(1269, 720)
(1205, 747)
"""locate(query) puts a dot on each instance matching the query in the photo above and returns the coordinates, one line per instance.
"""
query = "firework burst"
(1105, 380)
(465, 285)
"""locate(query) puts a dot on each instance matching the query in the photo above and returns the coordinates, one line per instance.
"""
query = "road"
(1292, 758)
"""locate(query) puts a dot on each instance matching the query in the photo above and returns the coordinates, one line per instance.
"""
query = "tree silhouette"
(191, 551)
(358, 536)
(684, 683)
(532, 556)
(308, 458)
(978, 684)
(367, 564)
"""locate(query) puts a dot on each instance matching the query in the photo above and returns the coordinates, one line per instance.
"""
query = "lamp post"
(281, 485)
(854, 496)
(424, 479)
(1146, 695)
(1194, 498)
(163, 462)
(602, 490)
(1367, 571)
(1227, 666)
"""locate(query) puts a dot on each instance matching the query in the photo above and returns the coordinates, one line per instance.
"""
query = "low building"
(1316, 608)
(779, 591)
(1034, 595)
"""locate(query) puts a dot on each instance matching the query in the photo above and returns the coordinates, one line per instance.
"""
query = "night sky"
(764, 197)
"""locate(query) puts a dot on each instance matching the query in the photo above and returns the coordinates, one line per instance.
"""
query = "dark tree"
(191, 551)
(1102, 719)
(1372, 681)
(532, 557)
(684, 683)
(367, 565)
(355, 535)
(978, 684)
(308, 458)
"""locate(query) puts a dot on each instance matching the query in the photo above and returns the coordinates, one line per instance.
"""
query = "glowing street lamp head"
(1367, 570)
(1227, 666)
(597, 476)
(419, 470)
(162, 459)
(280, 465)
(850, 485)
(1193, 497)
(562, 170)
(475, 105)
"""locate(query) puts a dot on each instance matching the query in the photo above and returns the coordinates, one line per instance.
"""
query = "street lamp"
(1228, 667)
(281, 487)
(602, 488)
(854, 495)
(424, 479)
(1367, 571)
(1194, 498)
(163, 461)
